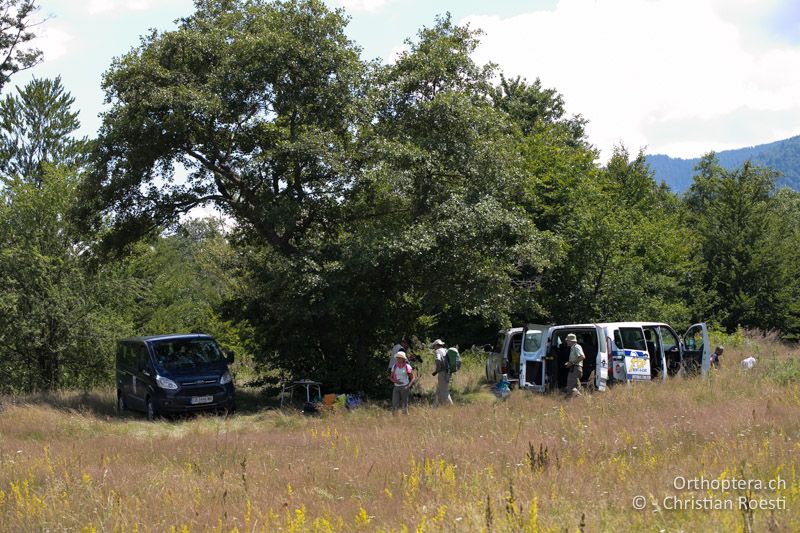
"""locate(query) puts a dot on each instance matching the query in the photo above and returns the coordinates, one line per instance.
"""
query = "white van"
(504, 356)
(615, 351)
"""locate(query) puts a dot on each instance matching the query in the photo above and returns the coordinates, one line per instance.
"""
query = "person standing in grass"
(443, 372)
(716, 355)
(575, 365)
(401, 346)
(402, 376)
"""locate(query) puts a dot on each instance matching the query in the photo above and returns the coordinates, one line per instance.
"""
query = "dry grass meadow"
(529, 463)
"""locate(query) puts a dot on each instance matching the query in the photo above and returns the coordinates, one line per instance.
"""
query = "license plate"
(201, 399)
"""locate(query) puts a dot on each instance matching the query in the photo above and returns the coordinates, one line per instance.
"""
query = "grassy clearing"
(530, 463)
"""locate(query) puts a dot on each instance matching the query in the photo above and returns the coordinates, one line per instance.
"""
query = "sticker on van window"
(637, 365)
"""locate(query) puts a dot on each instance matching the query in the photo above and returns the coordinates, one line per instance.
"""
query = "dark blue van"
(170, 374)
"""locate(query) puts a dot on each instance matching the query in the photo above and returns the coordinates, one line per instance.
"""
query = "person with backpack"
(443, 372)
(402, 376)
(453, 359)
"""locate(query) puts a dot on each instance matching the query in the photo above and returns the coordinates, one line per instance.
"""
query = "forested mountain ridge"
(783, 156)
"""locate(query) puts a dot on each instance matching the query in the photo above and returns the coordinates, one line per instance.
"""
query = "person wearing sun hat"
(443, 373)
(575, 364)
(400, 346)
(402, 376)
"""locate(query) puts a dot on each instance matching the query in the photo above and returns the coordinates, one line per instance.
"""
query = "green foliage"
(180, 283)
(747, 247)
(429, 238)
(53, 328)
(36, 128)
(256, 99)
(16, 21)
(533, 108)
(367, 203)
(626, 252)
(451, 161)
(784, 371)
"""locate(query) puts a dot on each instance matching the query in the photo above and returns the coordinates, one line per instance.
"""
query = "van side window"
(498, 345)
(633, 339)
(618, 340)
(126, 355)
(670, 340)
(516, 344)
(694, 339)
(139, 355)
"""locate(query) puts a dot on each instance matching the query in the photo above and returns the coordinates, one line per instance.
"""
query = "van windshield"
(533, 340)
(178, 353)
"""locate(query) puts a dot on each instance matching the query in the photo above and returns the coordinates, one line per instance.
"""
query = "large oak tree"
(256, 101)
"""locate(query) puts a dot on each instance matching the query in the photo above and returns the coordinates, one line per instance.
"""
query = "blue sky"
(679, 77)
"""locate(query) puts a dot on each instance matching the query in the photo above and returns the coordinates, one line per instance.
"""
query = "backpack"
(453, 359)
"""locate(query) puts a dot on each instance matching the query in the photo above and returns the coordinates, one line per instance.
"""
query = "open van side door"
(696, 350)
(532, 362)
(494, 359)
(636, 355)
(602, 366)
(672, 349)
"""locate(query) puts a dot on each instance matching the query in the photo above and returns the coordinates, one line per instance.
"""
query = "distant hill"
(783, 156)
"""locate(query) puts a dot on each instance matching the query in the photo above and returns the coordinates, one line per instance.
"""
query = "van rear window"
(533, 340)
(177, 353)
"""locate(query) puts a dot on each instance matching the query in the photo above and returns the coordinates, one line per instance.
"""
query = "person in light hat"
(400, 346)
(443, 373)
(402, 376)
(575, 365)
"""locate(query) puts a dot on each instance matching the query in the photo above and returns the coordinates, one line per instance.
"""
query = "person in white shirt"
(443, 373)
(402, 376)
(400, 346)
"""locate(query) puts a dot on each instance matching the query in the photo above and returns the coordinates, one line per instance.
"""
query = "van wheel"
(121, 407)
(152, 414)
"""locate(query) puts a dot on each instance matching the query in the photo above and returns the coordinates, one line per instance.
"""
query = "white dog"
(749, 363)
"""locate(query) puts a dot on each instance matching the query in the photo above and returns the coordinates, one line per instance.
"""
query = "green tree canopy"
(55, 327)
(16, 21)
(627, 253)
(256, 100)
(747, 247)
(37, 129)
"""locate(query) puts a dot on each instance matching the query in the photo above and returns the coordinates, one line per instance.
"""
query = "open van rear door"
(696, 350)
(601, 368)
(532, 357)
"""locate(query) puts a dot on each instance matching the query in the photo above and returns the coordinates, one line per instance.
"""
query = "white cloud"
(636, 68)
(104, 6)
(53, 41)
(363, 5)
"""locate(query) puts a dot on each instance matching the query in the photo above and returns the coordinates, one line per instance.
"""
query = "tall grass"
(530, 463)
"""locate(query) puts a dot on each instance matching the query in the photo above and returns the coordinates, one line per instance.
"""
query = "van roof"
(628, 324)
(149, 338)
(613, 324)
